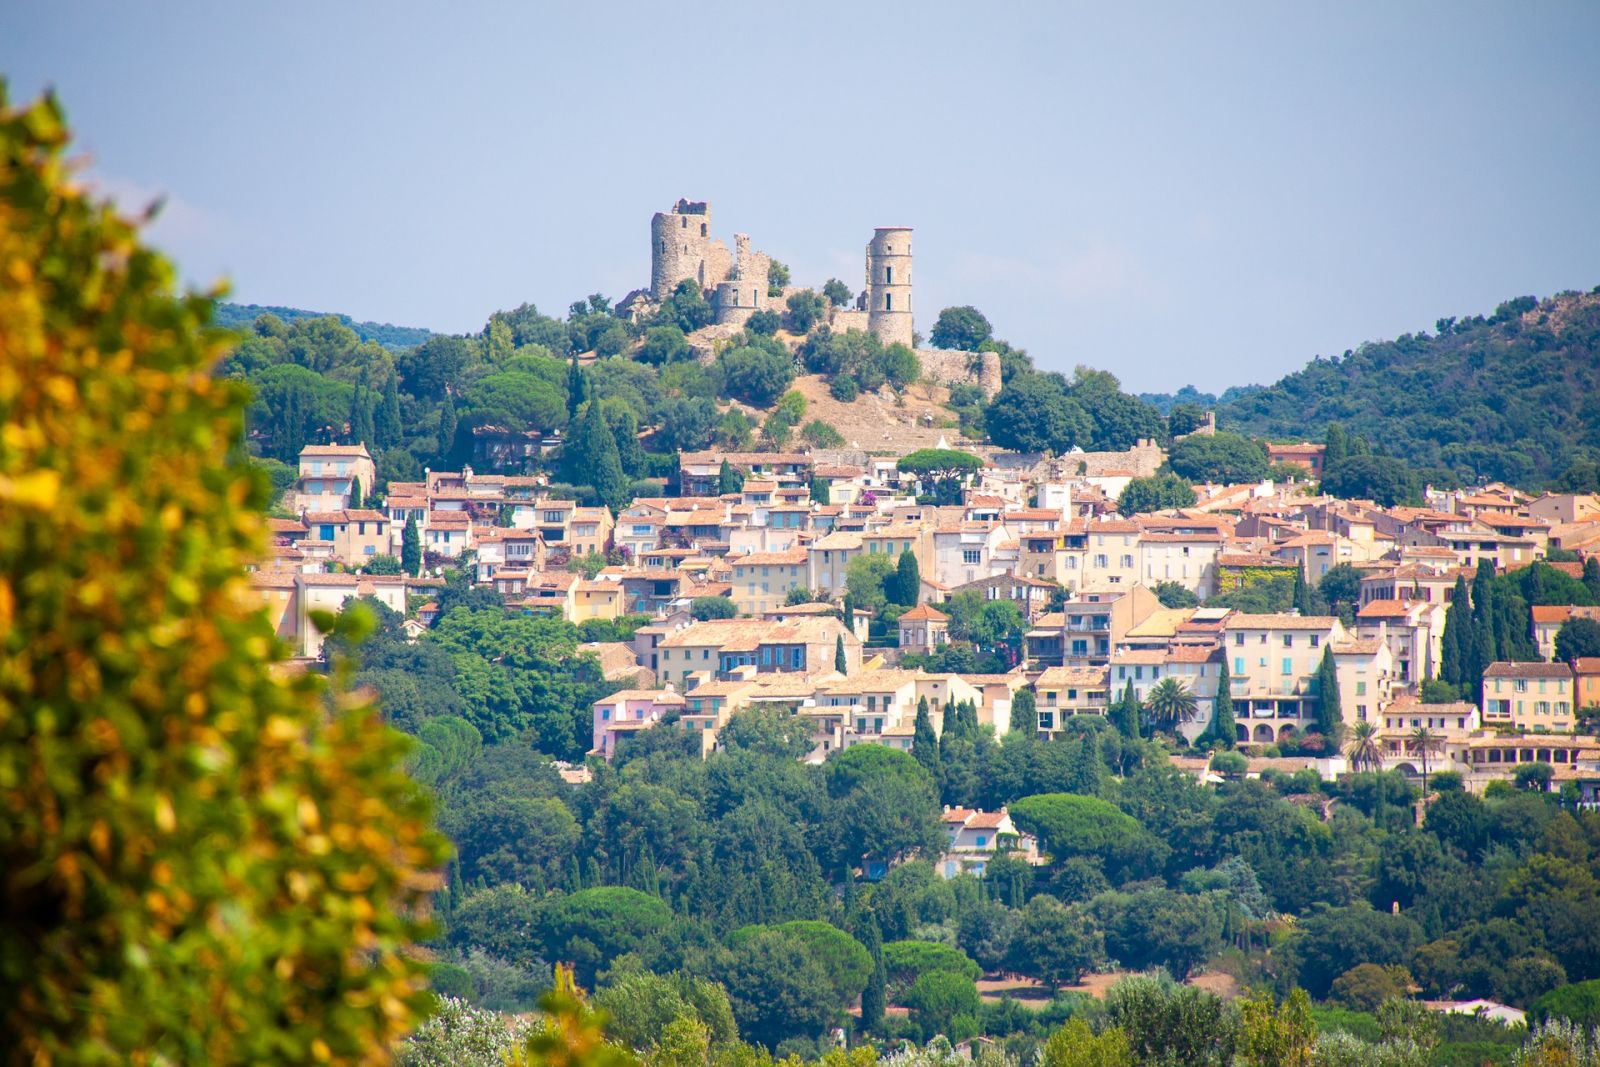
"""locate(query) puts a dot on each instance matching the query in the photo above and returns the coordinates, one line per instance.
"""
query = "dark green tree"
(924, 742)
(1330, 717)
(411, 548)
(1222, 728)
(963, 328)
(447, 427)
(590, 458)
(874, 998)
(1086, 771)
(729, 479)
(1126, 715)
(1302, 592)
(577, 389)
(1025, 714)
(1160, 492)
(841, 663)
(905, 584)
(390, 430)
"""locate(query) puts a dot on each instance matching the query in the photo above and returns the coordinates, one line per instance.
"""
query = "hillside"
(1514, 396)
(240, 316)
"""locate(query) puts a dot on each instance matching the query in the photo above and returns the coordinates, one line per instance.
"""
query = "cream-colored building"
(1532, 697)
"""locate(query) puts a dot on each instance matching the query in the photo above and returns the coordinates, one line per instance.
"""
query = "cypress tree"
(625, 430)
(907, 580)
(1302, 592)
(390, 430)
(729, 480)
(1591, 577)
(925, 743)
(411, 549)
(875, 997)
(1126, 714)
(577, 388)
(591, 459)
(1455, 652)
(1330, 717)
(1085, 772)
(1334, 448)
(447, 426)
(840, 662)
(1025, 714)
(1222, 727)
(1483, 605)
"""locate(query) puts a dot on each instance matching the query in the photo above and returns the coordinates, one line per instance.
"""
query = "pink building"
(625, 713)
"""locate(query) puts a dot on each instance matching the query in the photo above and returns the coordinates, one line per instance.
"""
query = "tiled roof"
(1282, 622)
(1527, 670)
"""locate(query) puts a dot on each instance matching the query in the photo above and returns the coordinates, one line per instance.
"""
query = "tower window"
(702, 229)
(754, 299)
(888, 275)
(663, 246)
(736, 298)
(888, 301)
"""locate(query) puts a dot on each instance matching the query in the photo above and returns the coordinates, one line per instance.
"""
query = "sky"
(1182, 193)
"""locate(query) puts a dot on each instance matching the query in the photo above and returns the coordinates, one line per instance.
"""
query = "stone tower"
(681, 247)
(889, 285)
(744, 292)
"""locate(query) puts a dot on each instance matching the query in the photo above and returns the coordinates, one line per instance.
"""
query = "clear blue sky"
(1178, 193)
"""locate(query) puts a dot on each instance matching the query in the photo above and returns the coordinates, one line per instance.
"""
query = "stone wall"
(745, 291)
(681, 247)
(950, 367)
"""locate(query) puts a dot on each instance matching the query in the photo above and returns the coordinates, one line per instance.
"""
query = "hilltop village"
(778, 580)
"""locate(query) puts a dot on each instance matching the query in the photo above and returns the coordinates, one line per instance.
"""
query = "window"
(1238, 639)
(1127, 561)
(605, 713)
(1316, 640)
(1361, 689)
(1238, 665)
(1288, 640)
(1100, 561)
(1288, 665)
(888, 301)
(971, 555)
(1521, 685)
(888, 275)
(982, 840)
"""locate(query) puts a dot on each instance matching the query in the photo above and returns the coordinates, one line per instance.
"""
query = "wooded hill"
(1514, 396)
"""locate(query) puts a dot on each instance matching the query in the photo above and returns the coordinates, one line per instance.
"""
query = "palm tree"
(1366, 754)
(1425, 742)
(1170, 702)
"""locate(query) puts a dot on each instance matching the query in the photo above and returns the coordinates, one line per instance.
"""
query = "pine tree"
(840, 662)
(907, 581)
(390, 429)
(591, 458)
(577, 388)
(411, 549)
(924, 742)
(1126, 714)
(1222, 726)
(447, 426)
(1330, 717)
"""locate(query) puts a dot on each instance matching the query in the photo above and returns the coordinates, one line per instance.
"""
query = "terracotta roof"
(1360, 647)
(923, 613)
(1387, 609)
(1193, 654)
(1282, 622)
(1527, 670)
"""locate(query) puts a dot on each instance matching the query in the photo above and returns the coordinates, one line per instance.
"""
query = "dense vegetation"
(1513, 396)
(243, 316)
(743, 872)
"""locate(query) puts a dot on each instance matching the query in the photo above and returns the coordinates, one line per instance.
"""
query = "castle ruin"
(682, 249)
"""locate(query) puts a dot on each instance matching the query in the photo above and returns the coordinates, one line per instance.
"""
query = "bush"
(712, 607)
(207, 859)
(764, 323)
(820, 434)
(843, 389)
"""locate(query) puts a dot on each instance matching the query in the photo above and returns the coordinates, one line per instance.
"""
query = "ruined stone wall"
(681, 246)
(950, 367)
(844, 320)
(745, 291)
